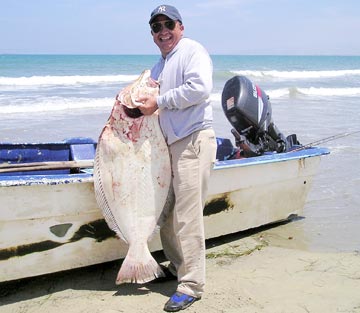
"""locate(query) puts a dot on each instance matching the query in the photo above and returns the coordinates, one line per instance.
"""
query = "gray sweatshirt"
(185, 78)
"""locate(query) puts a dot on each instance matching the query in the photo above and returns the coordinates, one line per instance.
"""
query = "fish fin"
(102, 200)
(155, 232)
(168, 207)
(139, 269)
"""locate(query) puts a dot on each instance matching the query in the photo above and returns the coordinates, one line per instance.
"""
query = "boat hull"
(51, 223)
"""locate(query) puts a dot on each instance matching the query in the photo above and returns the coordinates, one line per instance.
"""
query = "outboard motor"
(248, 109)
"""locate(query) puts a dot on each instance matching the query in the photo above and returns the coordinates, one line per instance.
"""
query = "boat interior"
(73, 149)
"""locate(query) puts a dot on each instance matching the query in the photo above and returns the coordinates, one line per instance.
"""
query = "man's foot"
(179, 301)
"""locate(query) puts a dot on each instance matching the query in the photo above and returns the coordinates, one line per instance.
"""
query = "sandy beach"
(258, 271)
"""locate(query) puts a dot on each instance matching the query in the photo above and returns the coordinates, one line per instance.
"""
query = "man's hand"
(149, 105)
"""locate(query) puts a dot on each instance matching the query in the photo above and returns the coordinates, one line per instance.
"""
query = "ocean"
(47, 98)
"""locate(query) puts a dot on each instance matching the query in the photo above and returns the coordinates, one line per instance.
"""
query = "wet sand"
(265, 270)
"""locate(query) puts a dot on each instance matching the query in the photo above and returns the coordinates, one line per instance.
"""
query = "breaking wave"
(55, 104)
(354, 91)
(298, 92)
(313, 91)
(36, 81)
(298, 74)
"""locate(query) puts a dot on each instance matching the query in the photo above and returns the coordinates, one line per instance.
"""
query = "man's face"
(166, 39)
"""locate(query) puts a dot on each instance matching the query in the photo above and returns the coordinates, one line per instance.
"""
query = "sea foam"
(55, 104)
(37, 81)
(298, 74)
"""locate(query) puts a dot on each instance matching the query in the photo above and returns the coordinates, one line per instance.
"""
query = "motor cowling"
(248, 109)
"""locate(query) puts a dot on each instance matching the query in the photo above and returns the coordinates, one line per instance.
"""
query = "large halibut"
(132, 176)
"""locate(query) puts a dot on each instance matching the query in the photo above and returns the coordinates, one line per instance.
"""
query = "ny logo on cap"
(162, 8)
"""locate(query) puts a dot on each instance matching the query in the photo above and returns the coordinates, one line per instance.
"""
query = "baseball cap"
(167, 10)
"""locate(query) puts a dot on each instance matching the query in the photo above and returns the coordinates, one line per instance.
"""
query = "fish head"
(144, 85)
(126, 103)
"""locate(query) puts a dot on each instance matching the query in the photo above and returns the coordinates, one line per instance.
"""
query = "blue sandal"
(179, 301)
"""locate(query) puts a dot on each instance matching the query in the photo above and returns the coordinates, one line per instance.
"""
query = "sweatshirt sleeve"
(196, 75)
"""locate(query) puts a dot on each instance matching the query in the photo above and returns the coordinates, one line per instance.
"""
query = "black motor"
(248, 109)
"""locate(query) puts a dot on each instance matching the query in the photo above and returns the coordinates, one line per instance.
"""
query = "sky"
(239, 27)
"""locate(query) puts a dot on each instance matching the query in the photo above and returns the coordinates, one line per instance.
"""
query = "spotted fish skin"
(132, 177)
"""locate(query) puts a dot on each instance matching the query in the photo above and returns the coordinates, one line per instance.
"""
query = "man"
(184, 72)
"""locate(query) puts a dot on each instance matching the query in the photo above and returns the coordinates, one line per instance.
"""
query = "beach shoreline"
(308, 265)
(263, 270)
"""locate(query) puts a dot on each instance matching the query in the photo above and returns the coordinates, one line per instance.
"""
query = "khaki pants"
(182, 235)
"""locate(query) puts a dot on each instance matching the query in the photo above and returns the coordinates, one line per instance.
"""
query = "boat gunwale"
(46, 179)
(272, 158)
(86, 175)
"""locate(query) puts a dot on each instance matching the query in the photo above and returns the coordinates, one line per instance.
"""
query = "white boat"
(50, 221)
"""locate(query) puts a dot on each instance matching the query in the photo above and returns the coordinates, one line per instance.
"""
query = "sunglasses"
(158, 26)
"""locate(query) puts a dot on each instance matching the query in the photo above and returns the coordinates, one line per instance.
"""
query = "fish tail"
(137, 268)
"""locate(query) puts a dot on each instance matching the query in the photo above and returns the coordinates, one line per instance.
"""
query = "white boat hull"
(51, 224)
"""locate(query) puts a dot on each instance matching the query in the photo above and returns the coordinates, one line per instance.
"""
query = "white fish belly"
(135, 177)
(132, 175)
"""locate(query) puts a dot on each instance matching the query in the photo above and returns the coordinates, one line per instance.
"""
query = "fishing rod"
(327, 139)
